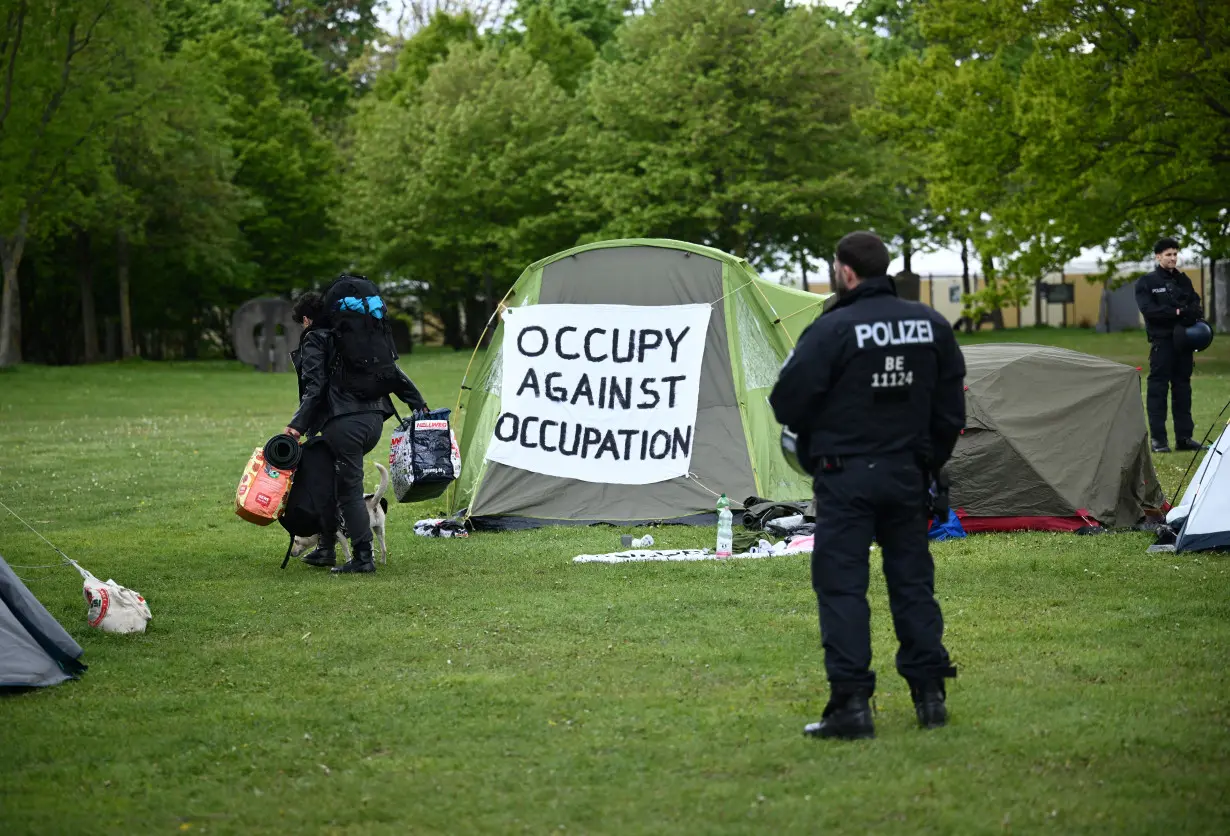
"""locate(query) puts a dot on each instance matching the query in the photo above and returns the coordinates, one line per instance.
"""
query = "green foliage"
(726, 128)
(58, 101)
(1072, 124)
(596, 20)
(465, 182)
(560, 46)
(428, 47)
(892, 28)
(227, 143)
(175, 192)
(275, 94)
(336, 32)
(997, 295)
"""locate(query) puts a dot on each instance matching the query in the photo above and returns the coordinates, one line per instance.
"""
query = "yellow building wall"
(1082, 313)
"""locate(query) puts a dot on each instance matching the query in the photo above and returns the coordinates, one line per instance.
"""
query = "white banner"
(600, 393)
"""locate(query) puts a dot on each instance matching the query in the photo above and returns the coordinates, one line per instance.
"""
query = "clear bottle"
(725, 534)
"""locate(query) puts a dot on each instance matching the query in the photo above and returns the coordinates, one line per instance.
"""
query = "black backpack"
(365, 364)
(311, 507)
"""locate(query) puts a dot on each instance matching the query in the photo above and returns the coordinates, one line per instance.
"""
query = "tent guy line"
(68, 560)
(1179, 490)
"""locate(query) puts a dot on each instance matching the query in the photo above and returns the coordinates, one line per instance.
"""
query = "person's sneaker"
(320, 556)
(929, 704)
(361, 563)
(1190, 444)
(847, 719)
(1160, 446)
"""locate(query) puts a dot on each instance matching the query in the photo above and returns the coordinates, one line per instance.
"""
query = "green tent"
(752, 325)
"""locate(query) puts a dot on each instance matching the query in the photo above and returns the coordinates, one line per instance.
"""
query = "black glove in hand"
(937, 497)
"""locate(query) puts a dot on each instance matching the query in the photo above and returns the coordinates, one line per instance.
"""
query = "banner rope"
(736, 290)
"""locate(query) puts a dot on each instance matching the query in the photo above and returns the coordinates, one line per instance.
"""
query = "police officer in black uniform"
(875, 391)
(1166, 298)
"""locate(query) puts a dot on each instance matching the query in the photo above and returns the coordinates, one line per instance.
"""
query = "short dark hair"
(310, 304)
(864, 253)
(1164, 244)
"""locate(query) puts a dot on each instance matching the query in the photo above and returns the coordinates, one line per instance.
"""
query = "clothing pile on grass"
(775, 527)
(446, 527)
(791, 521)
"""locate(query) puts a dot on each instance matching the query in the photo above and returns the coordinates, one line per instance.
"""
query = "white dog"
(377, 510)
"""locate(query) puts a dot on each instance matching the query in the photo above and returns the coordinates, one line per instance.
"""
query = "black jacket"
(1159, 294)
(319, 397)
(874, 375)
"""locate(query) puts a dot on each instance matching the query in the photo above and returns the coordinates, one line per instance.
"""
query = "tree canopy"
(163, 161)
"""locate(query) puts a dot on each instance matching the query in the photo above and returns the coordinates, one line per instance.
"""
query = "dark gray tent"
(34, 649)
(1054, 439)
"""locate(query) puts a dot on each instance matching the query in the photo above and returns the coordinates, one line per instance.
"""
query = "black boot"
(360, 563)
(322, 555)
(846, 717)
(1160, 445)
(1189, 444)
(929, 703)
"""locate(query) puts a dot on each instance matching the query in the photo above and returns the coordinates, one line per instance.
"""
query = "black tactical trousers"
(351, 437)
(884, 498)
(1169, 368)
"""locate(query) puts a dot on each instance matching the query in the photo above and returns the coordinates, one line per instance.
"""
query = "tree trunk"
(450, 318)
(89, 318)
(121, 258)
(192, 340)
(11, 248)
(475, 309)
(1211, 305)
(969, 321)
(988, 270)
(907, 255)
(803, 266)
(965, 266)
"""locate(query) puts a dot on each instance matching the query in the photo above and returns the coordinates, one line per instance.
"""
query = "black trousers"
(351, 437)
(1169, 368)
(884, 498)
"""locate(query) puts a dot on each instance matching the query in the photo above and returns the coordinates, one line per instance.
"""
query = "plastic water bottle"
(725, 536)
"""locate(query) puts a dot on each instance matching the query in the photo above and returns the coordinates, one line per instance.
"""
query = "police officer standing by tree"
(875, 391)
(1167, 299)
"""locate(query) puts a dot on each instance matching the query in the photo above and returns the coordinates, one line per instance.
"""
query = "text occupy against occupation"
(600, 393)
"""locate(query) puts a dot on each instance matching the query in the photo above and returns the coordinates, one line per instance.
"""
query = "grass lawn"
(490, 685)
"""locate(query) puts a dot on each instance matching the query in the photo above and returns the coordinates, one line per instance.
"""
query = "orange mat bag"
(265, 484)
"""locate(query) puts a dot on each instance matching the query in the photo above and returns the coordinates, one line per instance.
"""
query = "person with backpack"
(347, 368)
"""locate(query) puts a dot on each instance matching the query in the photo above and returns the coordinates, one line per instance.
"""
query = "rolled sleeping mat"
(283, 452)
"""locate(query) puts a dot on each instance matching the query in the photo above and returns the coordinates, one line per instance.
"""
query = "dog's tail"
(384, 484)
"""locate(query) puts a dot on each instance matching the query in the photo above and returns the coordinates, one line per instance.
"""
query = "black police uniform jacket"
(1159, 294)
(874, 375)
(320, 398)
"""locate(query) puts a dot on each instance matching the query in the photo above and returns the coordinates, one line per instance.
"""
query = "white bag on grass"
(113, 608)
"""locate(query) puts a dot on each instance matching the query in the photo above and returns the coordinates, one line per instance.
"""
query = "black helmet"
(1195, 337)
(790, 450)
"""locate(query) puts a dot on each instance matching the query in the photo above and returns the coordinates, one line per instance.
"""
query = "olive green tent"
(753, 324)
(1054, 439)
